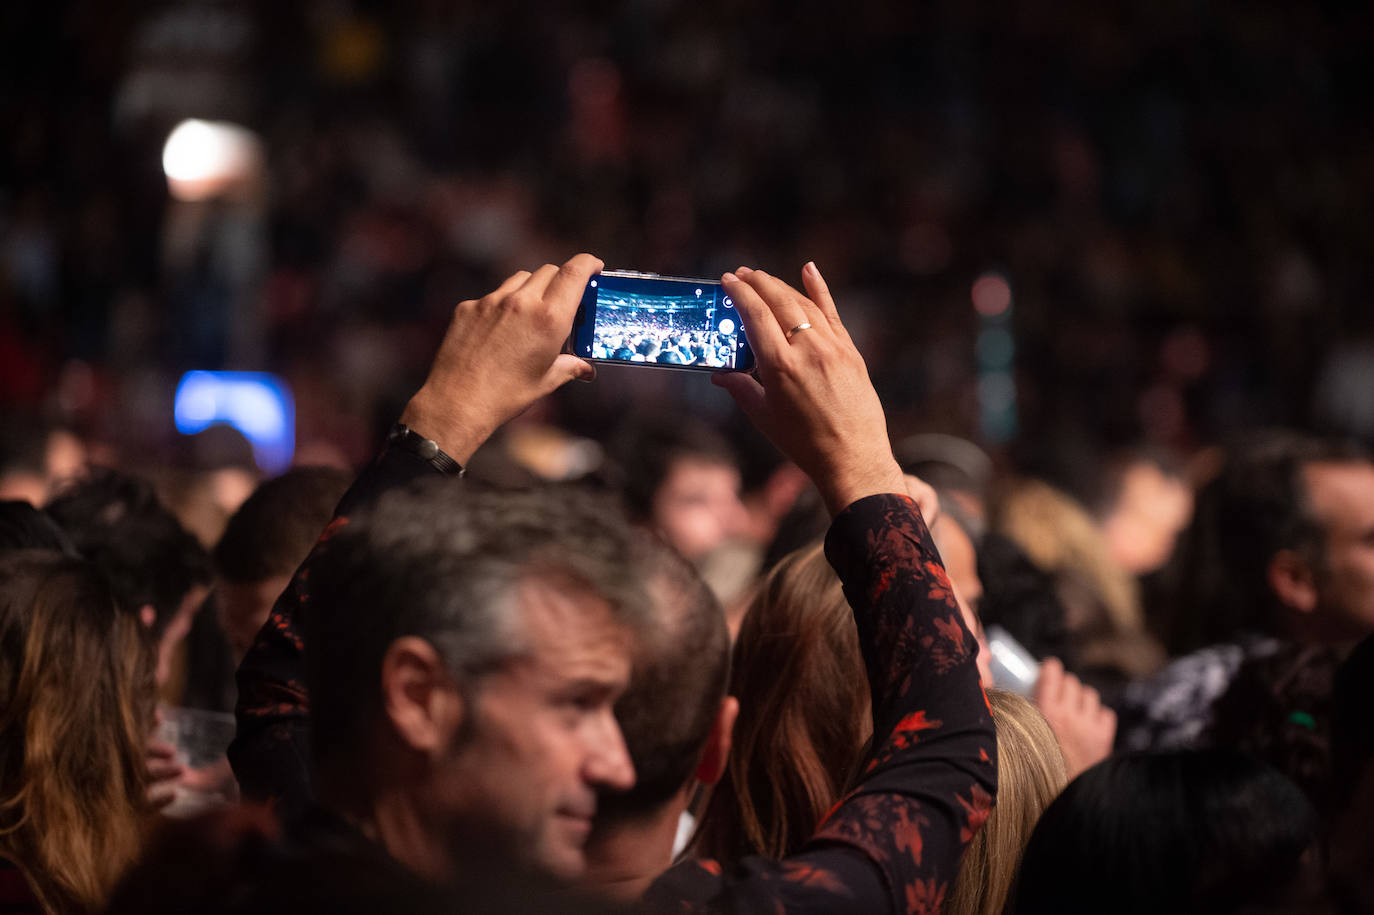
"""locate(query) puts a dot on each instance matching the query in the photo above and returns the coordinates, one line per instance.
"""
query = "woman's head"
(76, 708)
(1198, 830)
(1030, 774)
(804, 713)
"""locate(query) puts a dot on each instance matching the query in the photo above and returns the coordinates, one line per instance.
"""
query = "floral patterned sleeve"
(893, 843)
(271, 750)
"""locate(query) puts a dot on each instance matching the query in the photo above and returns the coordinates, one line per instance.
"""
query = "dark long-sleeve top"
(891, 845)
(894, 842)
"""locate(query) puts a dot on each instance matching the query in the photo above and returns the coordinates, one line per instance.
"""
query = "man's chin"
(563, 854)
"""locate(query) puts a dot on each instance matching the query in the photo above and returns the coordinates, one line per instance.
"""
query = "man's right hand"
(501, 353)
(816, 401)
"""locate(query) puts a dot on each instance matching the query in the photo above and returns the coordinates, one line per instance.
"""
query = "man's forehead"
(1341, 491)
(571, 629)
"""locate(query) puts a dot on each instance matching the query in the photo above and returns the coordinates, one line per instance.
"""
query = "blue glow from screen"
(256, 403)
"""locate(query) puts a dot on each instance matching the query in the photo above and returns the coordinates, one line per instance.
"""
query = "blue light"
(257, 404)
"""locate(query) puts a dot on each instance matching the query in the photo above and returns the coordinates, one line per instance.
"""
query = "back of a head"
(1278, 709)
(23, 527)
(1187, 831)
(1352, 727)
(804, 714)
(1254, 508)
(76, 709)
(681, 669)
(1030, 774)
(117, 522)
(273, 530)
(442, 563)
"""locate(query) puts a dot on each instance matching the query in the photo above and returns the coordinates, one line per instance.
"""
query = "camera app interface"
(669, 322)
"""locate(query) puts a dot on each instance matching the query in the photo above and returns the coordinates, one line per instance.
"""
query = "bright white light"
(203, 158)
(727, 326)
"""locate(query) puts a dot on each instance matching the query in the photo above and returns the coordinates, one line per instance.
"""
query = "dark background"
(1177, 193)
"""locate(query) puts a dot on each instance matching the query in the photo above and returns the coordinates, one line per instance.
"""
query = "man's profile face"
(698, 506)
(1341, 498)
(542, 739)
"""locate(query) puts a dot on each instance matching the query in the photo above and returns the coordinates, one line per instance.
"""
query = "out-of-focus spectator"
(1278, 551)
(156, 568)
(1278, 709)
(77, 693)
(35, 459)
(1101, 600)
(23, 527)
(1085, 727)
(262, 545)
(1145, 505)
(1352, 782)
(681, 478)
(265, 541)
(1185, 831)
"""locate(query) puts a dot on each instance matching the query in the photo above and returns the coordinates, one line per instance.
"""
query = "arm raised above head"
(500, 354)
(893, 842)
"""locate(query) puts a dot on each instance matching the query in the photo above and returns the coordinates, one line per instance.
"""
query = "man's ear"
(1292, 579)
(147, 615)
(717, 753)
(419, 697)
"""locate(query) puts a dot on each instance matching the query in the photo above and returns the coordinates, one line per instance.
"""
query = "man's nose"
(608, 763)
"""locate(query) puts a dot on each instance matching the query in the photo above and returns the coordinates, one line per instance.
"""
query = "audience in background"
(23, 527)
(76, 710)
(1351, 798)
(1180, 831)
(680, 478)
(1155, 215)
(1101, 600)
(1278, 709)
(264, 543)
(1278, 551)
(157, 570)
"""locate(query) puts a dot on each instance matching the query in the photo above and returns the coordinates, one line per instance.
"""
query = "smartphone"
(666, 322)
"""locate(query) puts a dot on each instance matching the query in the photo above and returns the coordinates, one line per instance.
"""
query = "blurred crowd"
(1177, 195)
(825, 640)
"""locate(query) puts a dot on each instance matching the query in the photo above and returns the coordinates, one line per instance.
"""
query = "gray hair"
(442, 562)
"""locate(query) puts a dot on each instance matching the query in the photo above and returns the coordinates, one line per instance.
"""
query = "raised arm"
(499, 354)
(894, 842)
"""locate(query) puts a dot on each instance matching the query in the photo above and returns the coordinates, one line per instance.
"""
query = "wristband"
(402, 436)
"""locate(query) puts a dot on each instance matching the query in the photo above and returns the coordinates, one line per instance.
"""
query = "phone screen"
(666, 322)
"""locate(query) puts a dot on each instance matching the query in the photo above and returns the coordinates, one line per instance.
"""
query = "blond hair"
(76, 709)
(1101, 599)
(1030, 774)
